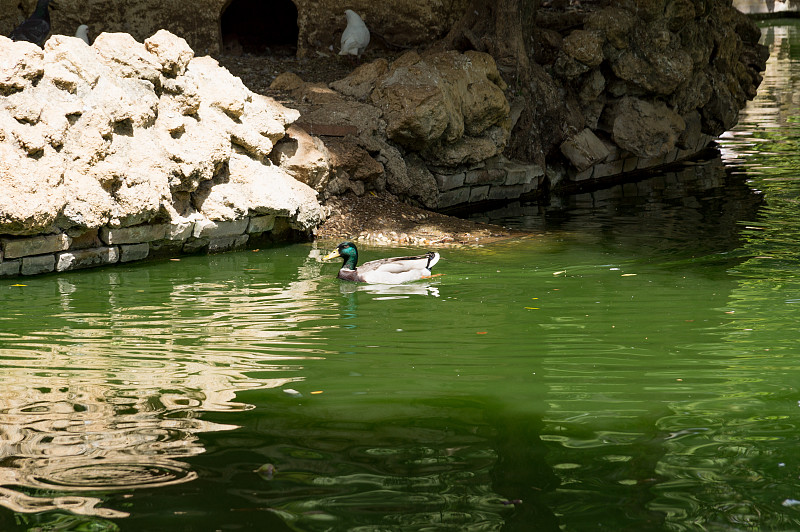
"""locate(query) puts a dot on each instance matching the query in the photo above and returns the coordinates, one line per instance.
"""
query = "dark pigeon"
(37, 27)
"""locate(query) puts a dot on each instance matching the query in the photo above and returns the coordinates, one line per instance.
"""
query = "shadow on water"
(695, 206)
(432, 461)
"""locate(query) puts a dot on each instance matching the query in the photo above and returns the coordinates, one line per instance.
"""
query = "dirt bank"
(381, 220)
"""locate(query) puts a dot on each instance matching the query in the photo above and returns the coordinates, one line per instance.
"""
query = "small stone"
(131, 252)
(38, 264)
(38, 245)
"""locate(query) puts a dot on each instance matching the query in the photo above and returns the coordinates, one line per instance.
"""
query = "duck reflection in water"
(391, 291)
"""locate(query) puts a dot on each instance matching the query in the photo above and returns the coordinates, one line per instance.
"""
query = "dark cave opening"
(259, 27)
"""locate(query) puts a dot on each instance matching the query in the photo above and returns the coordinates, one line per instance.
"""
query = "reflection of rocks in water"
(68, 438)
(768, 124)
(108, 394)
(697, 207)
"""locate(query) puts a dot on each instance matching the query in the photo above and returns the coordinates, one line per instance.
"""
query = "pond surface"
(633, 365)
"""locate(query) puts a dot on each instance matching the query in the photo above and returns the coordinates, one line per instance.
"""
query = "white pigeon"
(355, 37)
(83, 33)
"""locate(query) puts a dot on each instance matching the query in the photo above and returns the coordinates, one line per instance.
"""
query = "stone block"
(261, 224)
(533, 185)
(37, 245)
(449, 181)
(10, 268)
(133, 235)
(209, 229)
(517, 176)
(86, 239)
(483, 176)
(630, 164)
(194, 245)
(86, 258)
(454, 197)
(478, 193)
(584, 149)
(650, 162)
(165, 248)
(505, 192)
(179, 230)
(607, 169)
(38, 264)
(131, 252)
(584, 174)
(226, 243)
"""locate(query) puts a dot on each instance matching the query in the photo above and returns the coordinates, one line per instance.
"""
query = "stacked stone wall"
(61, 252)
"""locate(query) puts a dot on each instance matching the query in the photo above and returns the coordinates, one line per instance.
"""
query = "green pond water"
(633, 365)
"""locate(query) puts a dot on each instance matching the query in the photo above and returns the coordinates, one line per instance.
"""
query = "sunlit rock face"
(122, 133)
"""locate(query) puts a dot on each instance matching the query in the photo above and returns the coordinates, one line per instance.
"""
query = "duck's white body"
(355, 37)
(394, 270)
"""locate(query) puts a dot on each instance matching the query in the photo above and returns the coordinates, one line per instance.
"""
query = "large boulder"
(122, 133)
(446, 104)
(645, 129)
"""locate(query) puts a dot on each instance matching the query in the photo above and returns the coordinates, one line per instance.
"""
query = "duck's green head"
(346, 250)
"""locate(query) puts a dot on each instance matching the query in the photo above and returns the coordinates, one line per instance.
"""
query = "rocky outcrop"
(403, 126)
(121, 134)
(654, 81)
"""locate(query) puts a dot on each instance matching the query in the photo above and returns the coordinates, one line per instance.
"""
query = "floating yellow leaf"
(19, 285)
(559, 273)
(316, 392)
(628, 274)
(532, 308)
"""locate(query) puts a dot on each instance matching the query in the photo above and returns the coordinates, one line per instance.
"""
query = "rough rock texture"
(640, 71)
(140, 19)
(389, 126)
(403, 23)
(320, 22)
(122, 133)
(625, 86)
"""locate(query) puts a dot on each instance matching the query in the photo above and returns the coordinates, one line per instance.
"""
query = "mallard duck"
(394, 270)
(35, 28)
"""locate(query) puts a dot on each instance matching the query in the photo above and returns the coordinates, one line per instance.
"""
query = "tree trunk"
(505, 29)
